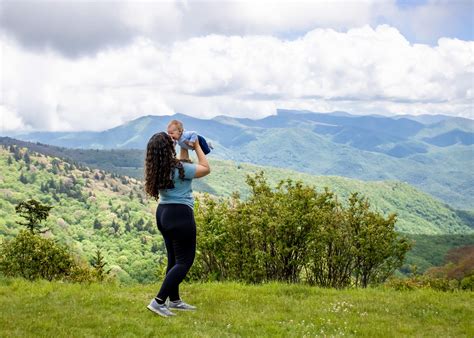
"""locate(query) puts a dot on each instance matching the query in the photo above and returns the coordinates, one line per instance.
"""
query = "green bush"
(293, 233)
(467, 283)
(31, 256)
(423, 282)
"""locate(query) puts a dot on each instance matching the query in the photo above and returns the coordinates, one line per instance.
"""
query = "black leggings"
(176, 224)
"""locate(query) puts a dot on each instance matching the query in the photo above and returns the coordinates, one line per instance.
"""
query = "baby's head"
(175, 129)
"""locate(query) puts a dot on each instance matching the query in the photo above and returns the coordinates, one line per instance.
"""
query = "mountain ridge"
(434, 155)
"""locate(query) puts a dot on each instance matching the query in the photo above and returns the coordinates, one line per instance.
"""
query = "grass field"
(54, 309)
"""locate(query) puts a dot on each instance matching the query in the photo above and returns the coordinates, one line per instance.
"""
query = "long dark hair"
(160, 162)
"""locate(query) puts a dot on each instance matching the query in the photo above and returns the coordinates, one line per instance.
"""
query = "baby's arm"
(191, 138)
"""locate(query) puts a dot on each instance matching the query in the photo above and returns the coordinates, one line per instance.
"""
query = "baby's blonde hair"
(178, 124)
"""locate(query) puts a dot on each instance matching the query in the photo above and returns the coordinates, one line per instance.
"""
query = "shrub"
(423, 282)
(467, 283)
(31, 256)
(293, 233)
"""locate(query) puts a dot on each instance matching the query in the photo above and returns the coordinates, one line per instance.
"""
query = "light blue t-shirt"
(190, 136)
(182, 193)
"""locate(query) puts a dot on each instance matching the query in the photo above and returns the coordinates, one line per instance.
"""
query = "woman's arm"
(184, 154)
(202, 168)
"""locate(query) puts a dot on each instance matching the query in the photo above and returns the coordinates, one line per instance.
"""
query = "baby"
(186, 139)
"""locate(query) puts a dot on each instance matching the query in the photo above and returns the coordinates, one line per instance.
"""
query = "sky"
(93, 65)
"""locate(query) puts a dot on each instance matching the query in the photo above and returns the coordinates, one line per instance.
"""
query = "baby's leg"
(204, 145)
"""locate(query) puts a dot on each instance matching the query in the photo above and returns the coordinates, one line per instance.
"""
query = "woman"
(170, 179)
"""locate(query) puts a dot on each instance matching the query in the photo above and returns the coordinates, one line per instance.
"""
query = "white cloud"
(363, 70)
(81, 27)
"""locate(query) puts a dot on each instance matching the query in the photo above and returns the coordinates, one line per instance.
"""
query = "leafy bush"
(293, 233)
(423, 282)
(31, 256)
(34, 257)
(467, 283)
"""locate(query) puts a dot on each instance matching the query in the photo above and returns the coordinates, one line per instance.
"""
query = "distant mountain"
(450, 138)
(433, 153)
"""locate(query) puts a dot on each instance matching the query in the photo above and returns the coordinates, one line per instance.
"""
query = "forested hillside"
(418, 212)
(95, 209)
(92, 210)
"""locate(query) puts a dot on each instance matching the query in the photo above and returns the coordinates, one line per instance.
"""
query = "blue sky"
(81, 65)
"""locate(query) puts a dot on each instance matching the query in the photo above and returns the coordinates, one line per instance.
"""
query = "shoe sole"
(177, 308)
(157, 312)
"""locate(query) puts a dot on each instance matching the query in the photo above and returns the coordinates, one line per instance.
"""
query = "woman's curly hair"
(160, 164)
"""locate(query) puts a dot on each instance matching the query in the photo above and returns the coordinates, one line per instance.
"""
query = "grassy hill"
(45, 309)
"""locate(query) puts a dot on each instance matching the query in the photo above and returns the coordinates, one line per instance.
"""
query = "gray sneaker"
(180, 305)
(159, 309)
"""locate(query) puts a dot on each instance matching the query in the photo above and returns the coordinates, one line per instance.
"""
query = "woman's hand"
(202, 168)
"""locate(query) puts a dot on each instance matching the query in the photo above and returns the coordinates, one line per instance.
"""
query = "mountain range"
(431, 152)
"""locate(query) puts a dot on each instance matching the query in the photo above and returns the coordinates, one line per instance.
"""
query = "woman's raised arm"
(202, 168)
(184, 154)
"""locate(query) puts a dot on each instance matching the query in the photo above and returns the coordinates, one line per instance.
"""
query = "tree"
(154, 247)
(99, 264)
(34, 213)
(97, 224)
(139, 224)
(26, 157)
(115, 226)
(17, 154)
(23, 179)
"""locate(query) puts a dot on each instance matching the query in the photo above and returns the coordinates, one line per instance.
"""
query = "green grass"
(57, 309)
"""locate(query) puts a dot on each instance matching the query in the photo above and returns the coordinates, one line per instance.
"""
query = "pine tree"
(115, 226)
(27, 158)
(17, 154)
(139, 224)
(97, 224)
(33, 212)
(154, 248)
(99, 264)
(23, 179)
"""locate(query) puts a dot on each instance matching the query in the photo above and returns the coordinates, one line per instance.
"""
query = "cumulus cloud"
(79, 27)
(364, 70)
(72, 27)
